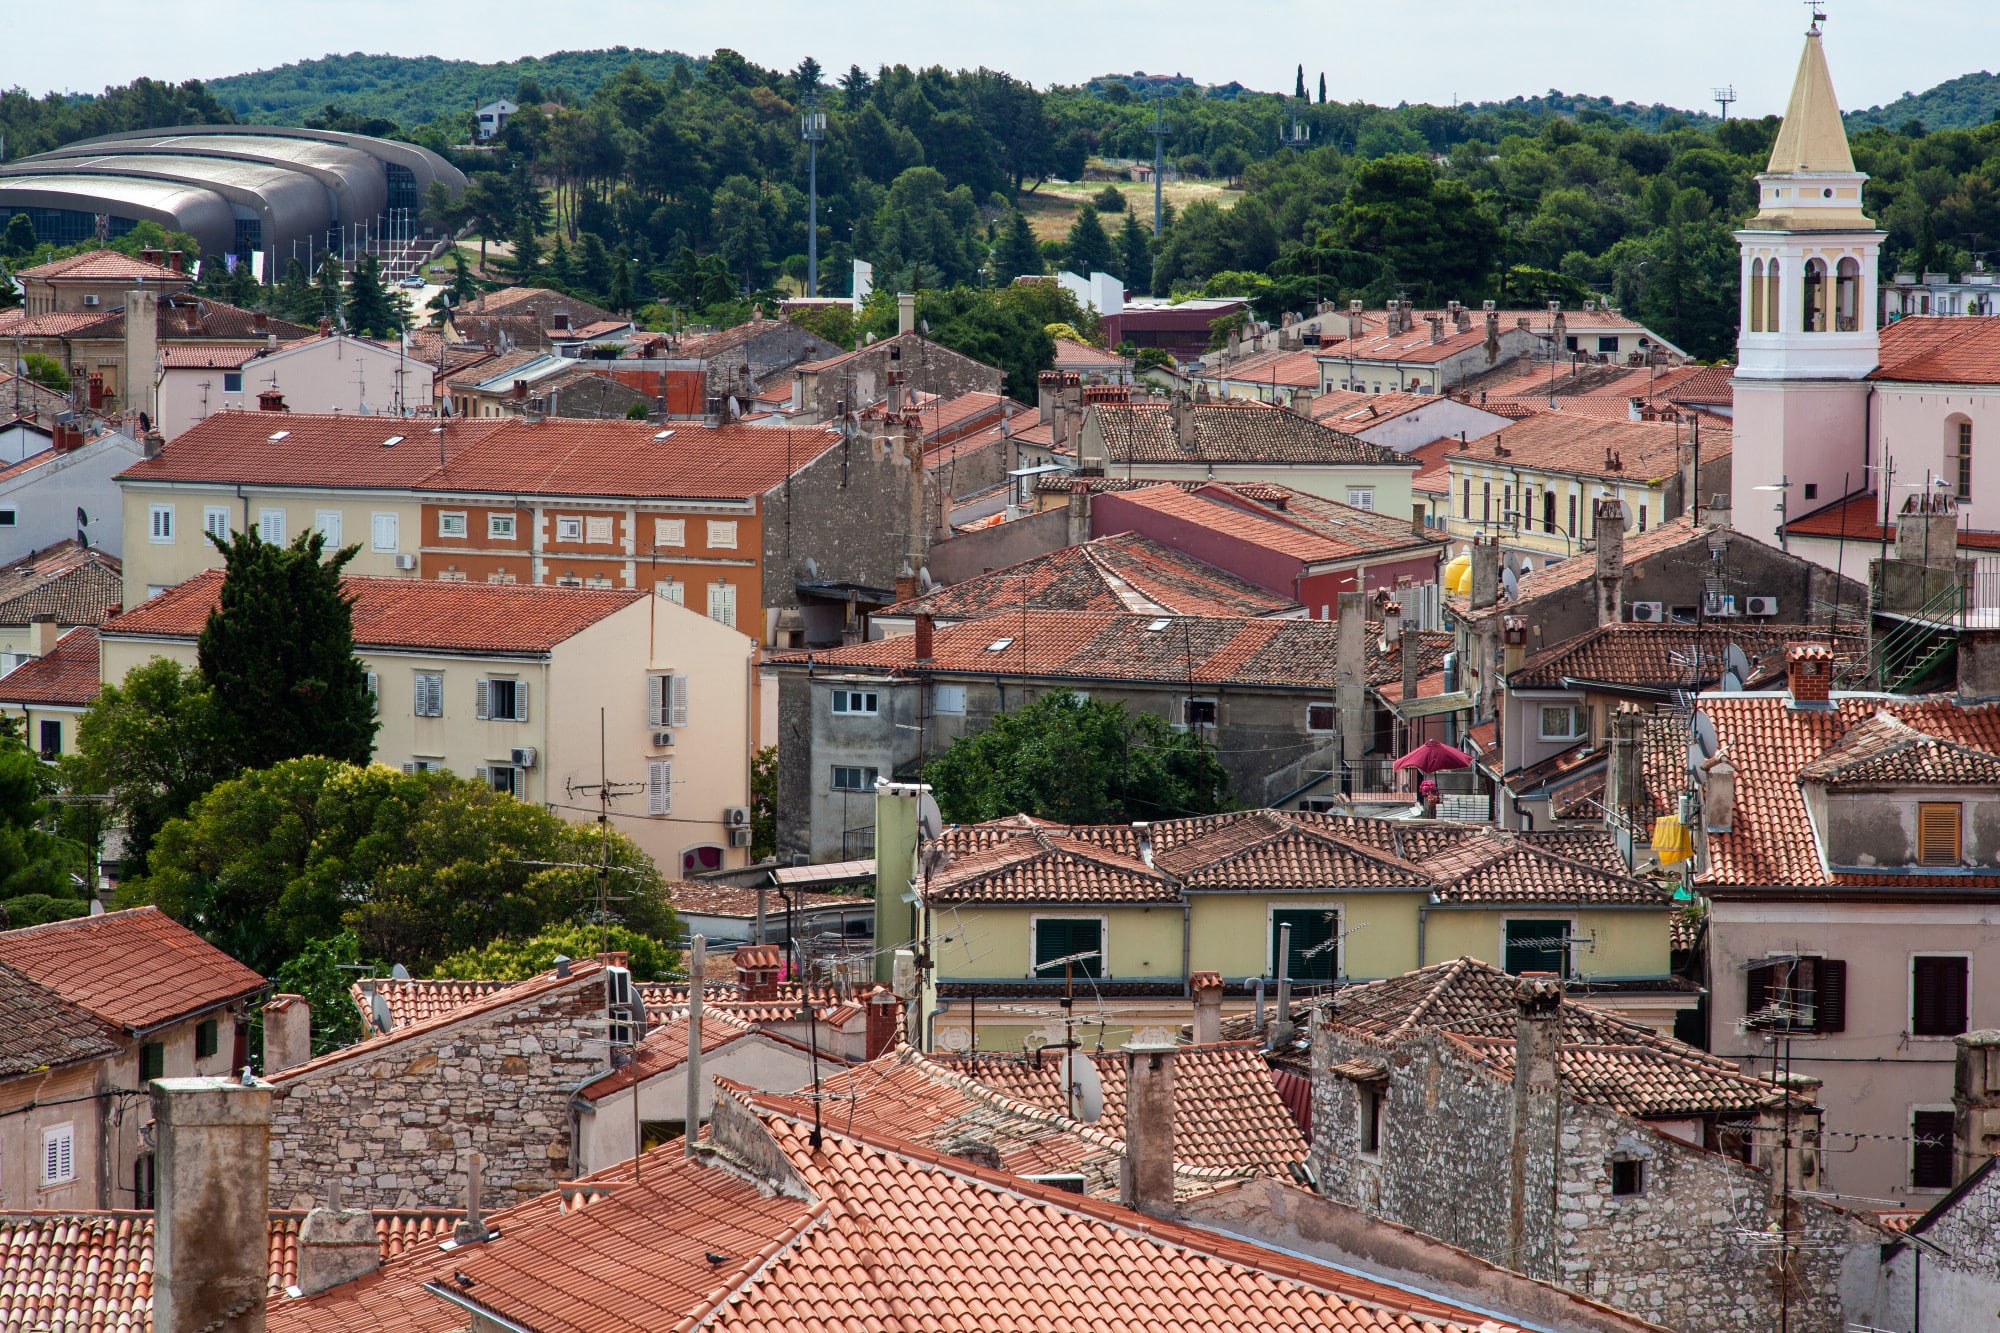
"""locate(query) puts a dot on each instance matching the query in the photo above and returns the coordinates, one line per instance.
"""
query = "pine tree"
(1135, 246)
(369, 310)
(20, 239)
(278, 653)
(593, 265)
(463, 287)
(1088, 249)
(621, 285)
(327, 303)
(1017, 254)
(293, 297)
(526, 260)
(1300, 92)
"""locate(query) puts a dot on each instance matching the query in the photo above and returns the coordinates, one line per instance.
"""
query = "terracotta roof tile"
(1632, 451)
(417, 1001)
(1270, 850)
(1285, 369)
(77, 585)
(105, 266)
(39, 1029)
(1661, 656)
(1935, 349)
(412, 613)
(1073, 355)
(1308, 527)
(1038, 865)
(1236, 432)
(665, 1048)
(1887, 752)
(712, 897)
(1496, 867)
(221, 356)
(67, 677)
(137, 968)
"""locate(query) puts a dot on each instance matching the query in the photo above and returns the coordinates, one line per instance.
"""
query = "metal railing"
(857, 844)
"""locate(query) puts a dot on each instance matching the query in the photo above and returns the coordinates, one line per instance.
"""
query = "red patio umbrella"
(1433, 755)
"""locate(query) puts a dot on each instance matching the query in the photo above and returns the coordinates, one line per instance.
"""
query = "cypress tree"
(1017, 254)
(1135, 246)
(278, 654)
(1300, 91)
(328, 280)
(294, 297)
(1322, 87)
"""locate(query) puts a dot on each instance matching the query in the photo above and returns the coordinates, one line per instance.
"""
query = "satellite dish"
(735, 409)
(924, 580)
(930, 820)
(812, 568)
(1731, 683)
(83, 539)
(82, 519)
(1511, 582)
(869, 341)
(1083, 1090)
(399, 973)
(378, 1008)
(1695, 759)
(1734, 659)
(1704, 734)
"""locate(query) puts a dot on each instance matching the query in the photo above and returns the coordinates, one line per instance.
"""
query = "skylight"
(279, 435)
(997, 645)
(1158, 625)
(392, 442)
(664, 435)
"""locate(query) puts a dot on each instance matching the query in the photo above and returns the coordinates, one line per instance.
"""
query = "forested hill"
(412, 90)
(1962, 103)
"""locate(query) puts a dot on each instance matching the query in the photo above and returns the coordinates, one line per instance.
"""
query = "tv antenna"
(1159, 133)
(606, 791)
(1723, 97)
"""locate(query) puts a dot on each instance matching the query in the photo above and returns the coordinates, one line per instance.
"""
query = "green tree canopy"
(152, 744)
(1088, 249)
(517, 960)
(1078, 761)
(278, 653)
(43, 876)
(1017, 255)
(1433, 233)
(925, 234)
(369, 310)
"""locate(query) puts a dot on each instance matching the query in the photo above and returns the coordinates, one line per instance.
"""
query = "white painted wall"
(44, 499)
(338, 374)
(604, 1131)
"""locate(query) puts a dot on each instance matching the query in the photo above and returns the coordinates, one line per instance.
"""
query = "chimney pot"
(177, 261)
(260, 321)
(1809, 673)
(906, 313)
(46, 632)
(270, 400)
(906, 587)
(1207, 990)
(884, 1023)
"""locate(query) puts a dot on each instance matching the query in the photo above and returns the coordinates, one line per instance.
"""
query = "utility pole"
(812, 128)
(1159, 133)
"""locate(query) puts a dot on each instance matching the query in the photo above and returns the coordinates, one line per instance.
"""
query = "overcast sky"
(1382, 51)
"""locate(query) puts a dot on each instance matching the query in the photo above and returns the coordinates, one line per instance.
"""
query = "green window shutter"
(152, 1061)
(1311, 928)
(1060, 937)
(1536, 946)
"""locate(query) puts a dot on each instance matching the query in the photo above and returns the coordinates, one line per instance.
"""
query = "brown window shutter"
(1757, 988)
(1830, 1003)
(1937, 833)
(1939, 990)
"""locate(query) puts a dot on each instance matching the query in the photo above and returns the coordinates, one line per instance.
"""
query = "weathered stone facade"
(394, 1116)
(861, 378)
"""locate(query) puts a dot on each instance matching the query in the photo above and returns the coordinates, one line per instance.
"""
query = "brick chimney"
(884, 1022)
(271, 400)
(1180, 410)
(925, 647)
(1975, 1097)
(177, 261)
(326, 327)
(757, 968)
(1206, 988)
(211, 1219)
(287, 1033)
(1809, 674)
(1608, 527)
(157, 258)
(336, 1244)
(260, 322)
(1147, 1174)
(906, 587)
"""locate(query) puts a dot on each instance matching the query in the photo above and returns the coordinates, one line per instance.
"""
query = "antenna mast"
(812, 128)
(1159, 133)
(1723, 97)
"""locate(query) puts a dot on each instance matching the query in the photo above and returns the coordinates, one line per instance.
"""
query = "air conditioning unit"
(93, 300)
(1648, 613)
(662, 739)
(736, 816)
(1760, 606)
(406, 561)
(1722, 604)
(524, 757)
(739, 837)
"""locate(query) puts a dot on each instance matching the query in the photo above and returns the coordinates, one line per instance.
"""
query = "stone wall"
(862, 380)
(597, 398)
(394, 1119)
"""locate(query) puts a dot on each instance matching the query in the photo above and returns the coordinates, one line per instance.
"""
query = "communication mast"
(812, 128)
(1723, 97)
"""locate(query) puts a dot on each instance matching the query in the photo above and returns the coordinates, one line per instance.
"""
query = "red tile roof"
(78, 585)
(105, 266)
(419, 1000)
(198, 356)
(66, 677)
(1664, 656)
(451, 616)
(1284, 370)
(1269, 850)
(1621, 449)
(1936, 349)
(137, 969)
(1233, 432)
(665, 1048)
(1040, 865)
(40, 1030)
(1308, 527)
(1414, 345)
(1073, 355)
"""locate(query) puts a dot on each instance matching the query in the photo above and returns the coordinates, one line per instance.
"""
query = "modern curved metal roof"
(359, 187)
(203, 213)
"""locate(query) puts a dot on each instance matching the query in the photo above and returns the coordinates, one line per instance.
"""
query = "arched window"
(1756, 296)
(1958, 453)
(1772, 299)
(1813, 294)
(1847, 296)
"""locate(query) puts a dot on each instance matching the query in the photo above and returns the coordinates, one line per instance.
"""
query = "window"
(1965, 460)
(500, 576)
(1322, 717)
(659, 786)
(1313, 952)
(695, 860)
(1548, 511)
(271, 526)
(597, 581)
(1608, 344)
(1561, 722)
(1371, 1117)
(1059, 937)
(327, 522)
(569, 529)
(6, 518)
(722, 534)
(1197, 712)
(670, 532)
(1465, 504)
(1756, 296)
(428, 693)
(451, 525)
(59, 1154)
(51, 738)
(673, 590)
(500, 699)
(1628, 1177)
(1812, 490)
(500, 527)
(162, 520)
(501, 777)
(722, 603)
(949, 699)
(424, 764)
(205, 1039)
(215, 522)
(1797, 994)
(1937, 995)
(382, 532)
(232, 381)
(847, 777)
(1937, 833)
(597, 529)
(1538, 945)
(1361, 497)
(152, 1061)
(568, 581)
(855, 701)
(1486, 502)
(666, 700)
(1931, 1149)
(618, 1005)
(1642, 518)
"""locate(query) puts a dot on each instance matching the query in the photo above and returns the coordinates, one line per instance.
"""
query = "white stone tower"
(1808, 338)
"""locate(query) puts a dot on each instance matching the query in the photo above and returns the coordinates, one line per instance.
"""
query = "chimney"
(1608, 527)
(1809, 674)
(176, 261)
(1417, 527)
(1437, 327)
(271, 400)
(211, 1217)
(711, 416)
(1207, 990)
(1350, 670)
(336, 1244)
(1079, 512)
(925, 646)
(906, 587)
(1625, 782)
(1538, 1020)
(757, 968)
(906, 312)
(142, 353)
(157, 258)
(46, 632)
(1147, 1177)
(1561, 327)
(287, 1033)
(895, 398)
(1975, 1097)
(1048, 392)
(1462, 318)
(1392, 624)
(1927, 532)
(1411, 656)
(473, 1228)
(884, 1025)
(1788, 1139)
(260, 322)
(1513, 644)
(96, 393)
(1302, 401)
(326, 327)
(1485, 573)
(1718, 795)
(153, 443)
(1181, 409)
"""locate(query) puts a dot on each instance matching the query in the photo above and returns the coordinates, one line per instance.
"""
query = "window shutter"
(1830, 1001)
(1940, 997)
(66, 1164)
(520, 701)
(656, 706)
(479, 699)
(1937, 834)
(374, 691)
(409, 766)
(680, 701)
(482, 776)
(660, 787)
(1757, 988)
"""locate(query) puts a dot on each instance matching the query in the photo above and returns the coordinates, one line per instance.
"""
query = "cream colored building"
(515, 683)
(327, 374)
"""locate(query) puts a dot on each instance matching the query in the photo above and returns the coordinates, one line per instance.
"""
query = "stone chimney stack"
(1538, 1005)
(1079, 512)
(1412, 656)
(142, 353)
(1718, 795)
(1975, 1097)
(1788, 1140)
(287, 1033)
(1207, 990)
(1625, 783)
(1485, 573)
(1608, 526)
(1181, 408)
(1148, 1173)
(1350, 670)
(211, 1219)
(1301, 402)
(336, 1244)
(1048, 395)
(906, 312)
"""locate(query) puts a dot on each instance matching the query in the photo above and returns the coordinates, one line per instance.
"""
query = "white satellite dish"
(1735, 659)
(812, 568)
(1083, 1090)
(1511, 582)
(399, 973)
(1731, 683)
(379, 1010)
(1703, 729)
(930, 820)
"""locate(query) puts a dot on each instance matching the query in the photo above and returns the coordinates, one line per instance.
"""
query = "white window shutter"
(656, 712)
(483, 776)
(520, 701)
(374, 692)
(660, 787)
(479, 699)
(409, 766)
(66, 1167)
(680, 701)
